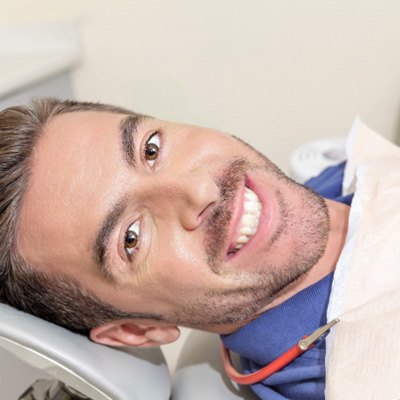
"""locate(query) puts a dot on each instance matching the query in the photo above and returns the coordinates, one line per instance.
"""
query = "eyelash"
(130, 251)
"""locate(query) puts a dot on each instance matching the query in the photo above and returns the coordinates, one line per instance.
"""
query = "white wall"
(277, 73)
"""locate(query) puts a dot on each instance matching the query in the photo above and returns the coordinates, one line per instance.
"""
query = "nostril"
(206, 211)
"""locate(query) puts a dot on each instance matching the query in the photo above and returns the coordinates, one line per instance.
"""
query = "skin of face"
(186, 205)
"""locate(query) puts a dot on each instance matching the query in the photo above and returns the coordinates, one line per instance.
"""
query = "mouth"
(248, 222)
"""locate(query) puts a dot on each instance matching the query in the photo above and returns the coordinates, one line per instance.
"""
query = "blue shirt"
(277, 330)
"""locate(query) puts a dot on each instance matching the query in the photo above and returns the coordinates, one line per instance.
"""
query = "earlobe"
(134, 333)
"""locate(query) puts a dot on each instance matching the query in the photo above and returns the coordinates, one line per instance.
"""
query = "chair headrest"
(98, 371)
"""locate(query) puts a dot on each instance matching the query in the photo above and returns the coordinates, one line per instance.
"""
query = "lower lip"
(264, 223)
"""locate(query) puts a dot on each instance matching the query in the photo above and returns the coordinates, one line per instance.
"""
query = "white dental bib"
(363, 350)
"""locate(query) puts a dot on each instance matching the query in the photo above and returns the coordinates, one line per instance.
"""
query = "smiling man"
(127, 227)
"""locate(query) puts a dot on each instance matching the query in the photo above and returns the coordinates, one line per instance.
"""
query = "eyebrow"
(102, 240)
(128, 130)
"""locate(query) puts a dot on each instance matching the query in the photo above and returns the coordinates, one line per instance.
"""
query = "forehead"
(74, 169)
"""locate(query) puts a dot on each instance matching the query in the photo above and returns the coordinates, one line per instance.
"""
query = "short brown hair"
(62, 300)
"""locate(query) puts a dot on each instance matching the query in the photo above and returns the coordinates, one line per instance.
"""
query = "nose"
(188, 196)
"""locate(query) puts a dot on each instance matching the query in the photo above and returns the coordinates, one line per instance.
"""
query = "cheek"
(180, 263)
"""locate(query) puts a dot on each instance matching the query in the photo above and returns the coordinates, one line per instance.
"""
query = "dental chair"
(199, 373)
(54, 363)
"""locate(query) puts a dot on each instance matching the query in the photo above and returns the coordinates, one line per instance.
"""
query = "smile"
(249, 221)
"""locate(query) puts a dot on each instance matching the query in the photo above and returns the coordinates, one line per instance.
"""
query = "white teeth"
(242, 239)
(246, 231)
(251, 207)
(250, 218)
(248, 194)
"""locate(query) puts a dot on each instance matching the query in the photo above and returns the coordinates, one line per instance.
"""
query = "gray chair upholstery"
(199, 374)
(99, 372)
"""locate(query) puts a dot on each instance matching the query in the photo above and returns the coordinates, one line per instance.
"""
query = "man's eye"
(132, 238)
(152, 148)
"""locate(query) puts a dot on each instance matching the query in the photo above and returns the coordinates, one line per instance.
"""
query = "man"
(128, 227)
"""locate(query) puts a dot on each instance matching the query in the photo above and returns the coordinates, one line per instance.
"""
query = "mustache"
(217, 226)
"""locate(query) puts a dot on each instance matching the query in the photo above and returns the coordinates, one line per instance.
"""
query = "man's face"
(167, 219)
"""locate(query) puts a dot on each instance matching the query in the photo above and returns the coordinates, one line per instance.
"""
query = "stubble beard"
(251, 291)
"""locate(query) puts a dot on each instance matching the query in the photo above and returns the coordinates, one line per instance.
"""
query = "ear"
(135, 333)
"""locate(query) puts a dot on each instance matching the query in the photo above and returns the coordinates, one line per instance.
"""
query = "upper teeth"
(250, 218)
